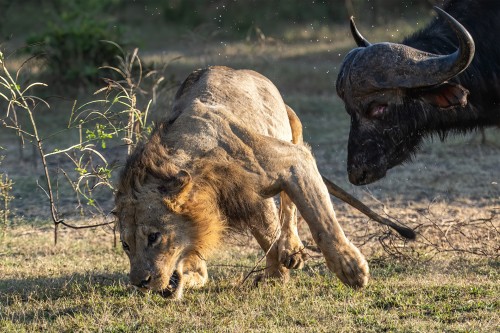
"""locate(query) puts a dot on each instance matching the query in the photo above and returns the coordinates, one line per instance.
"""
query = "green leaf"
(15, 86)
(81, 171)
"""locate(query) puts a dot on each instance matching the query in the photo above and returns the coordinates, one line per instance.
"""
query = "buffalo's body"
(439, 80)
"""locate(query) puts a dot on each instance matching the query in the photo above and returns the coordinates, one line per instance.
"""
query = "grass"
(81, 285)
(432, 285)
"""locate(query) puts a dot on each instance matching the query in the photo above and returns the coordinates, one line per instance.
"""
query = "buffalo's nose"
(358, 175)
(362, 175)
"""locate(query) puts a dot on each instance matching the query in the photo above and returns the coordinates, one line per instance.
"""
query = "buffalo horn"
(360, 40)
(458, 61)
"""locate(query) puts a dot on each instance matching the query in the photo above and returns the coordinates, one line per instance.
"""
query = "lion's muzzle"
(146, 283)
(140, 280)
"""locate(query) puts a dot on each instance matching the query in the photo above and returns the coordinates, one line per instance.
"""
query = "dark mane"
(218, 188)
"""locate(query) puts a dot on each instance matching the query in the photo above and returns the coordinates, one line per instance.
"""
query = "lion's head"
(160, 223)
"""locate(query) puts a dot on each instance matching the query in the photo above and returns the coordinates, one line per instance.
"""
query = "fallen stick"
(338, 192)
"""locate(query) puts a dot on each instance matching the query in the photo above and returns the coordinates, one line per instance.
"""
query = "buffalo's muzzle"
(362, 175)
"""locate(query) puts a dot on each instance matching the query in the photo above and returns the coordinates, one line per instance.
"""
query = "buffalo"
(443, 79)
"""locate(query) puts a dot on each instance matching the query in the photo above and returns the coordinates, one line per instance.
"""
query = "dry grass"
(448, 280)
(81, 285)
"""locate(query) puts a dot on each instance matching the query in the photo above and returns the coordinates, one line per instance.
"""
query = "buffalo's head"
(389, 90)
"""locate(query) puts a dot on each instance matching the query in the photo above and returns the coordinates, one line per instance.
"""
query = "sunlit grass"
(81, 285)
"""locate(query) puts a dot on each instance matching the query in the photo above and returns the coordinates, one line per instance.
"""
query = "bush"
(5, 198)
(238, 17)
(72, 46)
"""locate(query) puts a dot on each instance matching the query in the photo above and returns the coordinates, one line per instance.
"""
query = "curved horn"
(458, 61)
(360, 40)
(391, 65)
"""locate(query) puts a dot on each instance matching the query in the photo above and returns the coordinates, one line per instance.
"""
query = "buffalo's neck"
(460, 120)
(481, 78)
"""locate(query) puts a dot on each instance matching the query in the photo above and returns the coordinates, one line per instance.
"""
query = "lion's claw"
(294, 260)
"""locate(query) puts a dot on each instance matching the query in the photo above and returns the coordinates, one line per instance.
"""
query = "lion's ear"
(175, 190)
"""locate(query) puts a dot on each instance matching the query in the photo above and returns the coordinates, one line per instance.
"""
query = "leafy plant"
(125, 91)
(5, 198)
(122, 113)
(19, 100)
(20, 104)
(72, 47)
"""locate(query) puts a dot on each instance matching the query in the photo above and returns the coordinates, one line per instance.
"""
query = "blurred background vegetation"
(67, 34)
(135, 53)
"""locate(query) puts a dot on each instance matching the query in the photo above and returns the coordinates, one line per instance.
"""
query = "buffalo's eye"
(125, 246)
(377, 111)
(152, 238)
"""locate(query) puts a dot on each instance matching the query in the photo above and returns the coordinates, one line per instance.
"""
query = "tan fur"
(228, 147)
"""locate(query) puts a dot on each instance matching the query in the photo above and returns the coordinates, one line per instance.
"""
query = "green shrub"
(72, 47)
(5, 198)
(185, 12)
(234, 18)
(244, 14)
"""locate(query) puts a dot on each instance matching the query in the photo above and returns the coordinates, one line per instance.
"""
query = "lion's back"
(244, 97)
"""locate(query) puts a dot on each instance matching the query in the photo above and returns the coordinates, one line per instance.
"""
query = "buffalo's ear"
(175, 190)
(446, 95)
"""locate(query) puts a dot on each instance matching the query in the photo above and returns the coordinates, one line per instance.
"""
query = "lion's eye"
(125, 246)
(152, 238)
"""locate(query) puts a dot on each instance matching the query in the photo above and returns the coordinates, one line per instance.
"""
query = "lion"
(227, 149)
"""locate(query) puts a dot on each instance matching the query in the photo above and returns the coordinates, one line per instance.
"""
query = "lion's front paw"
(272, 274)
(195, 279)
(292, 253)
(293, 259)
(350, 266)
(194, 272)
(175, 287)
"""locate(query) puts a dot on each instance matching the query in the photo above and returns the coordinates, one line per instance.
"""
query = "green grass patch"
(81, 285)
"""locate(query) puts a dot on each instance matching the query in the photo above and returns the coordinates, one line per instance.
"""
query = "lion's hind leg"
(290, 248)
(267, 232)
(295, 125)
